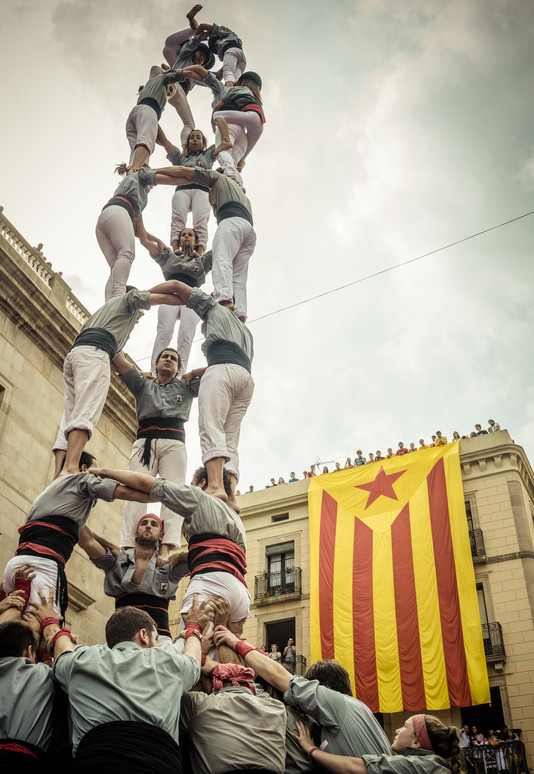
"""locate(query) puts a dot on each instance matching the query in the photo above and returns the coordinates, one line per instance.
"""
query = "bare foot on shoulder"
(214, 492)
(225, 144)
(232, 502)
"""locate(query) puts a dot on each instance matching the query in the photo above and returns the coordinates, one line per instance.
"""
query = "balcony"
(478, 549)
(272, 587)
(493, 642)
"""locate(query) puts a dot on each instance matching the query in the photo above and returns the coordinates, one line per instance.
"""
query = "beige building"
(39, 318)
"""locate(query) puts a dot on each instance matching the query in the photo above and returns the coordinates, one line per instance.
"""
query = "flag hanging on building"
(393, 593)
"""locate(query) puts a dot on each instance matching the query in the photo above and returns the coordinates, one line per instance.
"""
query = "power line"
(383, 271)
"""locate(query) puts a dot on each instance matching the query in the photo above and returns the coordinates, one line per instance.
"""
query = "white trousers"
(248, 120)
(234, 64)
(168, 458)
(223, 399)
(168, 316)
(45, 577)
(86, 375)
(197, 203)
(233, 244)
(229, 159)
(219, 584)
(142, 128)
(116, 238)
(181, 105)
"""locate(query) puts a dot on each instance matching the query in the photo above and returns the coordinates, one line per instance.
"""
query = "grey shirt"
(133, 188)
(348, 725)
(195, 267)
(226, 37)
(219, 322)
(201, 512)
(172, 400)
(218, 89)
(125, 683)
(234, 730)
(156, 88)
(73, 497)
(27, 692)
(157, 581)
(119, 315)
(185, 58)
(204, 159)
(415, 761)
(225, 190)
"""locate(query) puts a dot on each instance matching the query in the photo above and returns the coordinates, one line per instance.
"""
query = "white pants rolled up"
(181, 105)
(116, 238)
(223, 399)
(142, 128)
(229, 159)
(86, 375)
(233, 244)
(168, 459)
(234, 64)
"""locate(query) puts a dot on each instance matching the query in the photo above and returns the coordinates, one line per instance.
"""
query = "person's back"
(27, 692)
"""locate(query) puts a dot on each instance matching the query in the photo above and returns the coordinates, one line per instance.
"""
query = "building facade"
(39, 318)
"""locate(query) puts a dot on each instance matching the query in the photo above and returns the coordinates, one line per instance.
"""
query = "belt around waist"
(124, 202)
(99, 338)
(161, 427)
(153, 103)
(221, 351)
(185, 278)
(192, 185)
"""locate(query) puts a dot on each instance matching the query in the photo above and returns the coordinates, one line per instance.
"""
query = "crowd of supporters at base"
(437, 440)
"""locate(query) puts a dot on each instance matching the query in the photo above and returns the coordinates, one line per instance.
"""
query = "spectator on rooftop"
(325, 470)
(338, 466)
(412, 447)
(311, 473)
(473, 435)
(456, 436)
(389, 454)
(348, 463)
(273, 482)
(378, 455)
(371, 457)
(493, 426)
(292, 478)
(422, 444)
(251, 488)
(440, 440)
(359, 459)
(281, 481)
(433, 441)
(480, 431)
(401, 450)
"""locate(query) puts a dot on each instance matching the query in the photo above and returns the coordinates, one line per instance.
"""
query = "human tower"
(207, 513)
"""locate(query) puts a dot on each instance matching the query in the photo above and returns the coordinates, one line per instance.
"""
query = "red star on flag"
(382, 485)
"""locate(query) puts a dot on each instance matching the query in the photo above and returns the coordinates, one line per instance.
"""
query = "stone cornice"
(40, 303)
(494, 454)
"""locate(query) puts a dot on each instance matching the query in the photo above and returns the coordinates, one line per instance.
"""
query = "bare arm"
(196, 373)
(338, 764)
(162, 139)
(11, 607)
(141, 482)
(172, 292)
(203, 27)
(173, 175)
(270, 670)
(131, 494)
(90, 545)
(121, 365)
(195, 72)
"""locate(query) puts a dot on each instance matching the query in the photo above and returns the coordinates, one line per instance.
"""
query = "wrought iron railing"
(476, 538)
(486, 758)
(269, 585)
(493, 641)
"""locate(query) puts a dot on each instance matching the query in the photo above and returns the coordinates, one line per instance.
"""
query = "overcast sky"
(393, 129)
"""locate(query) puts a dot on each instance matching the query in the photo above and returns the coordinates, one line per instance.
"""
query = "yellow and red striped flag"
(393, 593)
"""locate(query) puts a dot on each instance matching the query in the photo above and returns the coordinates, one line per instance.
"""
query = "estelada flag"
(393, 593)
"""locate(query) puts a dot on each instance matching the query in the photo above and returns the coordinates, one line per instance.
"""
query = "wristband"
(242, 648)
(48, 621)
(311, 751)
(43, 655)
(60, 633)
(23, 584)
(192, 629)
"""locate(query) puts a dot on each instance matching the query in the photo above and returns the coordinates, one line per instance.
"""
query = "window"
(281, 567)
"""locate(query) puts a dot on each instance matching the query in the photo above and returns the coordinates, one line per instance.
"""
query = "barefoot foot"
(217, 492)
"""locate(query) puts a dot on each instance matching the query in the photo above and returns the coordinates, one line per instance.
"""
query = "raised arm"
(162, 139)
(90, 544)
(121, 365)
(270, 670)
(195, 72)
(338, 764)
(173, 175)
(141, 482)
